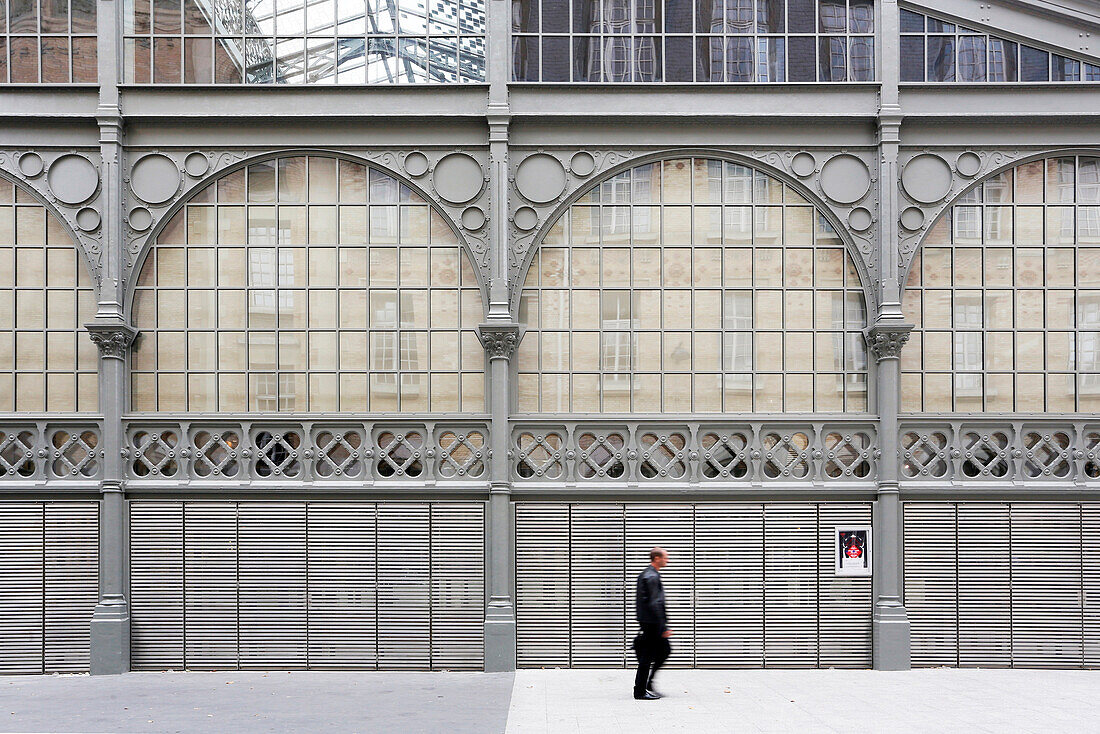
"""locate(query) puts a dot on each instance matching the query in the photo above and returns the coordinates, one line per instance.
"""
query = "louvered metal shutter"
(844, 603)
(748, 584)
(598, 621)
(729, 586)
(343, 577)
(49, 578)
(271, 598)
(22, 548)
(790, 585)
(156, 585)
(1046, 585)
(542, 584)
(390, 585)
(985, 620)
(1090, 582)
(931, 594)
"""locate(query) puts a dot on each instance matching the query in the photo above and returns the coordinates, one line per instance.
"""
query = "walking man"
(652, 645)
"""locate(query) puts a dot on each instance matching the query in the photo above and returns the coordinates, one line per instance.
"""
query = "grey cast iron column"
(500, 336)
(110, 626)
(885, 338)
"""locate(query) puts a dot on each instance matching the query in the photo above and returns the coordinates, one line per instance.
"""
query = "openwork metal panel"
(46, 450)
(47, 361)
(307, 283)
(49, 575)
(1005, 295)
(937, 50)
(304, 42)
(1034, 451)
(1022, 577)
(732, 41)
(322, 585)
(325, 452)
(692, 285)
(651, 452)
(49, 42)
(748, 585)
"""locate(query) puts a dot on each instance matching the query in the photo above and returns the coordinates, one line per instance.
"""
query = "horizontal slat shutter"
(458, 593)
(930, 583)
(729, 585)
(404, 603)
(985, 599)
(671, 527)
(844, 602)
(71, 583)
(790, 585)
(272, 573)
(210, 585)
(597, 626)
(1090, 552)
(1046, 585)
(156, 585)
(21, 587)
(542, 584)
(342, 580)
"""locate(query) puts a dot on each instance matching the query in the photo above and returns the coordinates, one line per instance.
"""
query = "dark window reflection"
(1003, 60)
(971, 58)
(912, 58)
(941, 58)
(802, 59)
(1034, 65)
(834, 59)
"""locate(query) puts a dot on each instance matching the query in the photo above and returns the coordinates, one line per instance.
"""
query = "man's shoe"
(654, 693)
(647, 696)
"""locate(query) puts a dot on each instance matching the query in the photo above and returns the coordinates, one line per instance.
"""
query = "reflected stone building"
(355, 335)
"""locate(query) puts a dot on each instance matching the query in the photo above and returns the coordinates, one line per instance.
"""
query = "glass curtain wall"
(1005, 293)
(307, 284)
(47, 361)
(48, 42)
(701, 41)
(692, 285)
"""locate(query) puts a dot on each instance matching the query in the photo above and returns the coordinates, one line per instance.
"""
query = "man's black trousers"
(653, 650)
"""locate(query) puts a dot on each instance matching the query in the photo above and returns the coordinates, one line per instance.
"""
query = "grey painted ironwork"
(51, 449)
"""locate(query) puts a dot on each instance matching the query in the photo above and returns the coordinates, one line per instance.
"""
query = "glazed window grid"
(48, 42)
(779, 341)
(47, 361)
(249, 315)
(303, 42)
(935, 50)
(616, 41)
(1005, 294)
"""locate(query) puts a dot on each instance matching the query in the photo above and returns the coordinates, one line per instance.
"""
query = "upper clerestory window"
(304, 41)
(646, 41)
(936, 50)
(48, 42)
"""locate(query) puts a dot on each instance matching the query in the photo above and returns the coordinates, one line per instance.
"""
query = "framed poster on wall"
(852, 550)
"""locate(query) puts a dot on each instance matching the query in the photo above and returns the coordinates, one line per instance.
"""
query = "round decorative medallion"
(473, 218)
(30, 164)
(845, 179)
(155, 178)
(926, 178)
(540, 178)
(72, 179)
(416, 164)
(582, 164)
(196, 164)
(87, 219)
(912, 219)
(803, 164)
(859, 219)
(525, 218)
(140, 219)
(968, 164)
(458, 178)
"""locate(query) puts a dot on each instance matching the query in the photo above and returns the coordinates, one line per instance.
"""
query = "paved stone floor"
(556, 701)
(246, 702)
(804, 701)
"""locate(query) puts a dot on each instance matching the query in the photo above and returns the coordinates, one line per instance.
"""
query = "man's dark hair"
(656, 553)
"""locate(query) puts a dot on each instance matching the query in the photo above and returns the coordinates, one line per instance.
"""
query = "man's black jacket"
(649, 599)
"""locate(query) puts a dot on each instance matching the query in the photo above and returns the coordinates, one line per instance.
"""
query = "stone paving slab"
(250, 702)
(802, 701)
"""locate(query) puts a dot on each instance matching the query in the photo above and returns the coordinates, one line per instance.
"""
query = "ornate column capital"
(885, 339)
(112, 337)
(499, 340)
